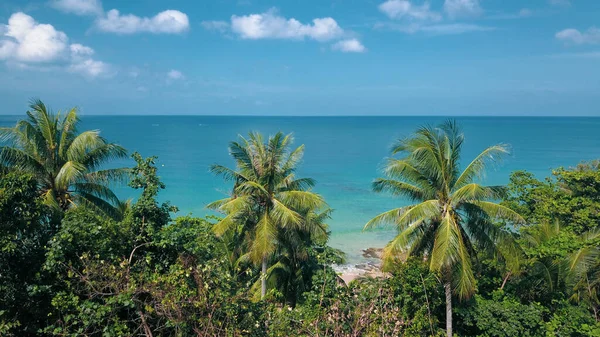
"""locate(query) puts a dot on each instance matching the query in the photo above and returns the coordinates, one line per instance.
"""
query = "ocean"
(344, 155)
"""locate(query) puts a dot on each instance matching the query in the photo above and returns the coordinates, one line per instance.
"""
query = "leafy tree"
(501, 316)
(24, 230)
(572, 197)
(66, 164)
(145, 274)
(267, 198)
(583, 272)
(454, 212)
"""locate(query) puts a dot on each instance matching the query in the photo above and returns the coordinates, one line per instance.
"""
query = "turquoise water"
(344, 154)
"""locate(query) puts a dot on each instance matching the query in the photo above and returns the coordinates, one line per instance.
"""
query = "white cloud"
(462, 8)
(269, 25)
(83, 64)
(435, 29)
(349, 46)
(78, 50)
(79, 7)
(175, 75)
(398, 9)
(574, 36)
(166, 22)
(25, 41)
(219, 26)
(90, 68)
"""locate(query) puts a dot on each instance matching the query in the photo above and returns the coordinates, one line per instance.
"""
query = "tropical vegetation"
(69, 166)
(520, 260)
(454, 215)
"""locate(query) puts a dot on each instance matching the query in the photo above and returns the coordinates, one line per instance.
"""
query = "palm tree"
(549, 274)
(266, 198)
(296, 261)
(454, 212)
(66, 164)
(583, 272)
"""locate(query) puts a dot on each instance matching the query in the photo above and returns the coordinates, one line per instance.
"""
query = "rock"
(373, 253)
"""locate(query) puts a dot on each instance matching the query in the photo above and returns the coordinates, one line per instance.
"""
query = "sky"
(302, 57)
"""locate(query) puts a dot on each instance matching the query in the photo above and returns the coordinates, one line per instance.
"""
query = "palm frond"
(398, 188)
(101, 153)
(250, 187)
(97, 190)
(82, 144)
(301, 200)
(68, 130)
(497, 211)
(108, 176)
(447, 245)
(69, 173)
(479, 164)
(284, 216)
(475, 191)
(264, 241)
(405, 216)
(97, 204)
(402, 243)
(19, 159)
(227, 173)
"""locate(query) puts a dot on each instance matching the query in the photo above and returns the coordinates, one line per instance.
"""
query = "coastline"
(370, 267)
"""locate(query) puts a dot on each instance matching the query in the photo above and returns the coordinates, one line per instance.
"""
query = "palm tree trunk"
(505, 280)
(448, 289)
(263, 279)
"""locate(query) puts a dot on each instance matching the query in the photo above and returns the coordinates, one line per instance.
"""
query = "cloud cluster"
(349, 46)
(414, 18)
(79, 7)
(574, 36)
(398, 9)
(28, 41)
(24, 41)
(456, 9)
(166, 22)
(271, 25)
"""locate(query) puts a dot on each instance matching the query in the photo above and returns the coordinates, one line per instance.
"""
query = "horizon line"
(328, 116)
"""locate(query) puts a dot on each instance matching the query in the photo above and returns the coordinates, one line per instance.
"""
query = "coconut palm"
(266, 198)
(453, 213)
(66, 164)
(296, 262)
(583, 272)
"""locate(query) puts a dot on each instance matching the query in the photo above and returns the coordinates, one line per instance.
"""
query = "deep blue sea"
(344, 154)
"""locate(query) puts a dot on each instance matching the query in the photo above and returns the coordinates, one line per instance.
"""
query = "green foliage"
(409, 303)
(572, 197)
(67, 165)
(140, 272)
(572, 321)
(454, 212)
(501, 316)
(272, 217)
(24, 230)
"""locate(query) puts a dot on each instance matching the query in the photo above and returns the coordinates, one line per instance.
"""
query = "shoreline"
(371, 267)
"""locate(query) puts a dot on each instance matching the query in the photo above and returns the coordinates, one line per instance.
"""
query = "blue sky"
(302, 57)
